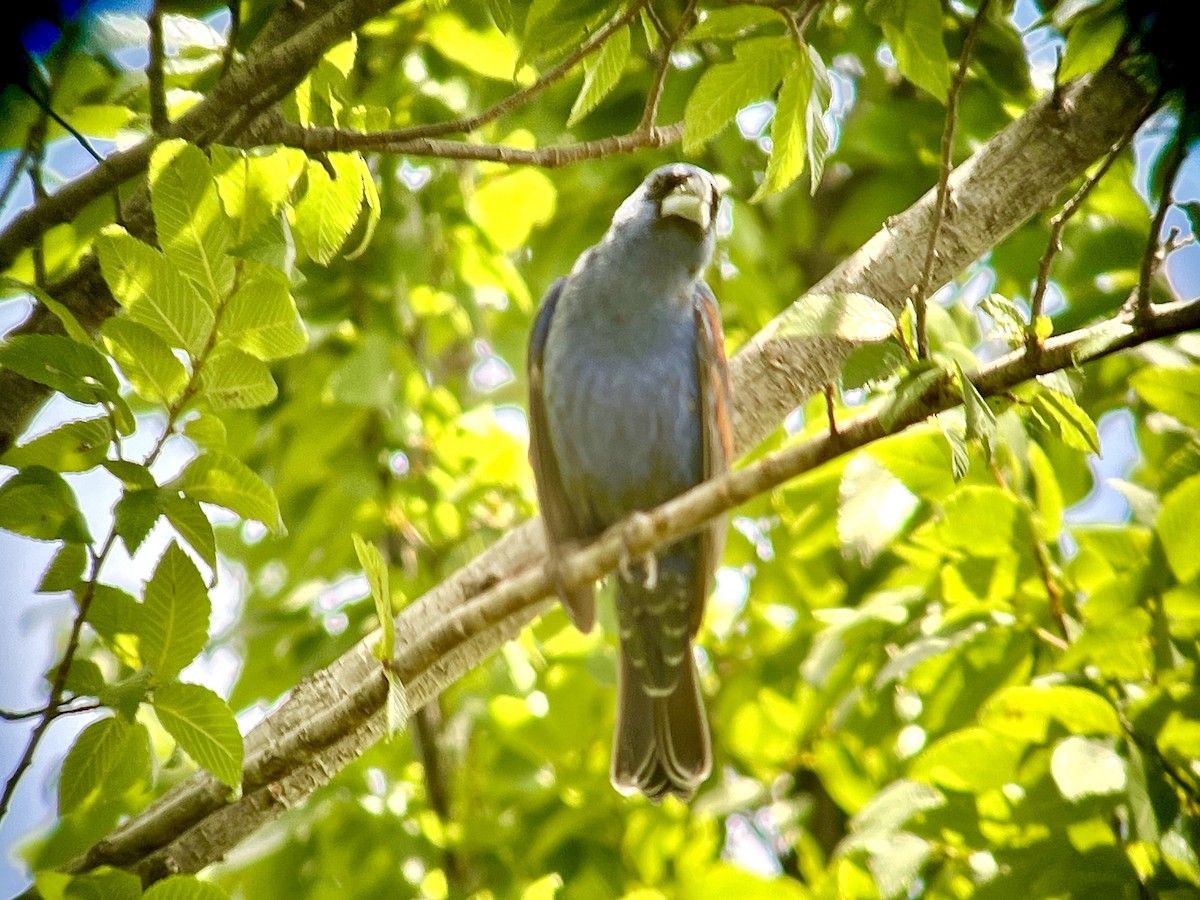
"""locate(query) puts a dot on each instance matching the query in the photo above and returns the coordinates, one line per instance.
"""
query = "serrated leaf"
(375, 569)
(758, 67)
(77, 370)
(789, 129)
(108, 757)
(73, 447)
(981, 421)
(854, 318)
(190, 522)
(913, 29)
(365, 228)
(732, 22)
(255, 184)
(154, 292)
(184, 887)
(1177, 526)
(909, 393)
(261, 317)
(1086, 768)
(233, 379)
(397, 711)
(818, 140)
(206, 431)
(1066, 420)
(219, 478)
(204, 727)
(1091, 41)
(130, 474)
(192, 229)
(173, 627)
(134, 516)
(330, 207)
(64, 570)
(956, 440)
(1006, 315)
(1175, 391)
(601, 72)
(126, 696)
(113, 612)
(146, 359)
(40, 504)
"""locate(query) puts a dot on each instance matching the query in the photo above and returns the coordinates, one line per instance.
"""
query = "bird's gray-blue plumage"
(629, 407)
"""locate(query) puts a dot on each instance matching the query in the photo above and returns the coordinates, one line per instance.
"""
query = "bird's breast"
(622, 403)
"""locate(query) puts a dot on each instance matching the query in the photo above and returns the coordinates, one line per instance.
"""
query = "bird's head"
(673, 210)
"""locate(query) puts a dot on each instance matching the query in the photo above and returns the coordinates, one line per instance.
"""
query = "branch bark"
(333, 716)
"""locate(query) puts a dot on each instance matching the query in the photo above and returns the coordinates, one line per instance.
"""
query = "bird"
(629, 403)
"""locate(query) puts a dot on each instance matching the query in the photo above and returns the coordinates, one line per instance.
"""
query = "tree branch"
(330, 718)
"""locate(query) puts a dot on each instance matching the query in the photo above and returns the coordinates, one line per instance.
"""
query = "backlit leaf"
(204, 727)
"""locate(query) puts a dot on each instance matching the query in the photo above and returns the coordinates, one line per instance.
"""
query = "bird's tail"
(661, 744)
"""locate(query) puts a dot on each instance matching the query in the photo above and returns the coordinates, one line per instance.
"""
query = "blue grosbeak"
(629, 406)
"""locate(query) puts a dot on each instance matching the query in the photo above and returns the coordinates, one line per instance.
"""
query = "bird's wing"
(560, 523)
(716, 429)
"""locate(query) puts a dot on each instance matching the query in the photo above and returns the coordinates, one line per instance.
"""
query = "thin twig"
(1173, 162)
(159, 123)
(654, 95)
(323, 140)
(1054, 244)
(941, 208)
(468, 124)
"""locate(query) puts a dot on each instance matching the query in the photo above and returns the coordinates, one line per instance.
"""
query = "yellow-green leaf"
(204, 727)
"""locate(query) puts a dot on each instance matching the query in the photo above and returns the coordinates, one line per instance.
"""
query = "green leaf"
(261, 316)
(921, 459)
(913, 29)
(818, 141)
(255, 184)
(981, 421)
(329, 209)
(789, 129)
(971, 760)
(153, 291)
(873, 507)
(130, 474)
(126, 696)
(113, 613)
(190, 522)
(204, 727)
(508, 207)
(40, 504)
(104, 883)
(758, 67)
(1008, 318)
(601, 72)
(107, 758)
(134, 516)
(233, 379)
(1091, 42)
(909, 394)
(1027, 711)
(219, 478)
(365, 228)
(854, 318)
(174, 624)
(74, 330)
(146, 359)
(1174, 391)
(1065, 419)
(1086, 768)
(732, 22)
(868, 364)
(73, 447)
(64, 570)
(77, 370)
(1177, 527)
(984, 521)
(84, 678)
(956, 440)
(488, 52)
(192, 229)
(376, 571)
(184, 887)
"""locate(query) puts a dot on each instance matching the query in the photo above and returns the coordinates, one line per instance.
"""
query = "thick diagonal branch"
(332, 717)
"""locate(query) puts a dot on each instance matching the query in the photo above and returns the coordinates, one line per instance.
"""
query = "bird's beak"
(691, 200)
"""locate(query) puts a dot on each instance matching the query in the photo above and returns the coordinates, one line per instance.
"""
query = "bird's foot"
(638, 523)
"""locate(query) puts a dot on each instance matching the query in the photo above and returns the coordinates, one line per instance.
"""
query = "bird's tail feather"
(661, 744)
